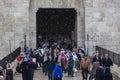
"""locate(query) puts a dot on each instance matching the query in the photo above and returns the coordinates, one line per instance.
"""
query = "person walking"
(106, 61)
(45, 59)
(9, 72)
(107, 74)
(85, 65)
(96, 58)
(70, 66)
(25, 68)
(75, 58)
(63, 59)
(95, 65)
(82, 50)
(31, 65)
(99, 73)
(51, 65)
(58, 75)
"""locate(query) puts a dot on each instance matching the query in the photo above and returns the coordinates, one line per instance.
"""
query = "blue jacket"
(51, 65)
(71, 63)
(58, 72)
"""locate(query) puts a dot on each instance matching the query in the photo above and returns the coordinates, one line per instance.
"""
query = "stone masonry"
(97, 23)
(102, 23)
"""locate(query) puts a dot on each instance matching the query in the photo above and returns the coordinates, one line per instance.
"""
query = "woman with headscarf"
(9, 72)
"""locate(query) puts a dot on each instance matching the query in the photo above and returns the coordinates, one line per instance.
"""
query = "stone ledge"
(116, 72)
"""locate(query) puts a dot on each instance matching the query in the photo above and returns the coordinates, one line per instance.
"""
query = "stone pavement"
(39, 76)
(77, 76)
(116, 72)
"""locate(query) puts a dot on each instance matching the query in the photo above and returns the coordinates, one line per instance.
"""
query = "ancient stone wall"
(18, 18)
(13, 24)
(102, 18)
(97, 22)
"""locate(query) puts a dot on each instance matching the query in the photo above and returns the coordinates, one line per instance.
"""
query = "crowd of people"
(55, 61)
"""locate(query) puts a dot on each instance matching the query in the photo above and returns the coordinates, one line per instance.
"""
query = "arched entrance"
(78, 5)
(56, 25)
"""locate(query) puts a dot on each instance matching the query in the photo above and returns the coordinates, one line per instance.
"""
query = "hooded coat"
(58, 72)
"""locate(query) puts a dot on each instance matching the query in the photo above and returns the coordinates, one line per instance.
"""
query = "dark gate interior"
(55, 25)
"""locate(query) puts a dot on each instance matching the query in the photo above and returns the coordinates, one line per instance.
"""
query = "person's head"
(97, 54)
(50, 57)
(1, 78)
(34, 49)
(101, 55)
(59, 63)
(44, 49)
(85, 57)
(27, 55)
(106, 56)
(8, 65)
(74, 49)
(62, 49)
(71, 57)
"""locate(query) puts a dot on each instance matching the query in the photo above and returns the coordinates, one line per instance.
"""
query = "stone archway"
(34, 5)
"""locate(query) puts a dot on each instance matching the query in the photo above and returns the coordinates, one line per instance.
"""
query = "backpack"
(107, 74)
(19, 69)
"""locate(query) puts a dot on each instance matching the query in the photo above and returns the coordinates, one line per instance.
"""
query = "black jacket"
(9, 74)
(108, 74)
(99, 74)
(107, 62)
(95, 59)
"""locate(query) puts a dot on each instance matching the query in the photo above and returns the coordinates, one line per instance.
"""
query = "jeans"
(70, 72)
(85, 73)
(50, 75)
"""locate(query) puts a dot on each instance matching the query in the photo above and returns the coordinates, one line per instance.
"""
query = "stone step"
(116, 72)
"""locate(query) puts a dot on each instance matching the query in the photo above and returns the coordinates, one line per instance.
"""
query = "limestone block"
(90, 11)
(89, 3)
(98, 16)
(8, 3)
(1, 15)
(99, 3)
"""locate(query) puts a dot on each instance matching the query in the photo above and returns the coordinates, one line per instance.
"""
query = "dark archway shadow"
(55, 25)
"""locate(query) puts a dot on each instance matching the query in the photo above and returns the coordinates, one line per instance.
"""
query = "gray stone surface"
(98, 18)
(102, 23)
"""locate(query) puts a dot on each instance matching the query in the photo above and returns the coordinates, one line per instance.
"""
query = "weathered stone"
(98, 18)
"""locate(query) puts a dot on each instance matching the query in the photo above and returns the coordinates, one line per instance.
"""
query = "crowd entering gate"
(56, 61)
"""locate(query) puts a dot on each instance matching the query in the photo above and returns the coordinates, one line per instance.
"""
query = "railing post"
(10, 45)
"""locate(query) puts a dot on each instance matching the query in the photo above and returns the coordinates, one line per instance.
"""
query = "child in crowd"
(70, 66)
(51, 65)
(58, 75)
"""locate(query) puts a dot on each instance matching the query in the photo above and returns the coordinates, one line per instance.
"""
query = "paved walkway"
(39, 76)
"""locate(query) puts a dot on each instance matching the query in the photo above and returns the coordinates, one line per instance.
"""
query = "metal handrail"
(11, 57)
(114, 56)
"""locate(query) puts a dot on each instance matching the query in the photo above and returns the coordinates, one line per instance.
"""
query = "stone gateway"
(97, 23)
